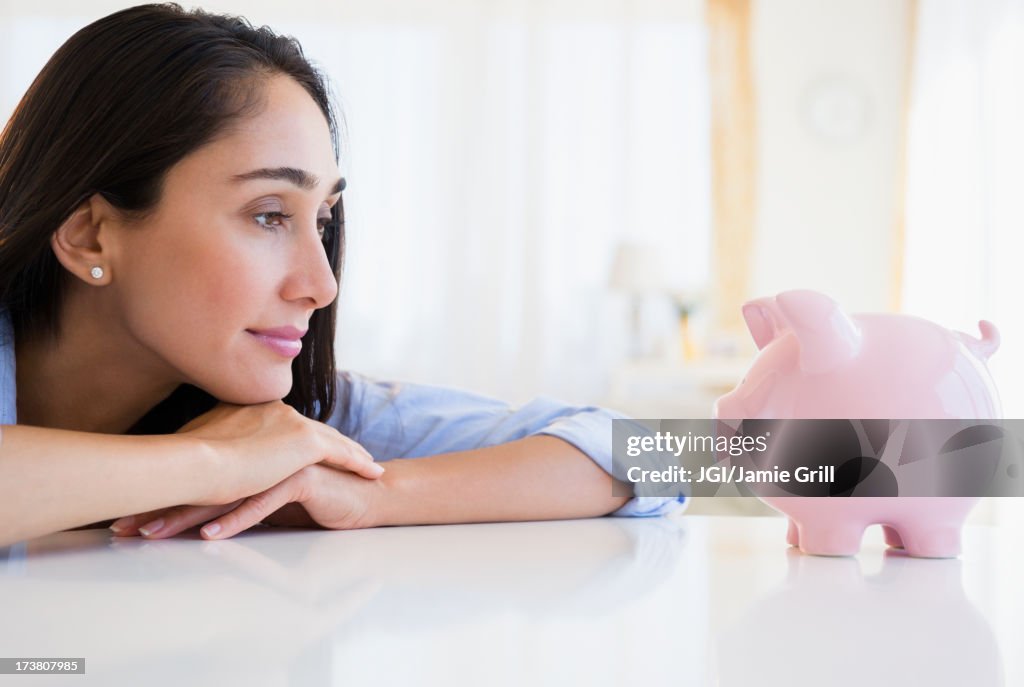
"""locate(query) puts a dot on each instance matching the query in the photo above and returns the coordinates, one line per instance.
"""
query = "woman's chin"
(255, 394)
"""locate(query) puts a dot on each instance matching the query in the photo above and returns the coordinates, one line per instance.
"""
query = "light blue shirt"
(405, 420)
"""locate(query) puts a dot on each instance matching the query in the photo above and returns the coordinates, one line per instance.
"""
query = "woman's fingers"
(352, 456)
(176, 520)
(339, 452)
(128, 526)
(292, 515)
(254, 509)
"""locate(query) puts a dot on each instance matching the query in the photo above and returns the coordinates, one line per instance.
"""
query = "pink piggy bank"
(817, 362)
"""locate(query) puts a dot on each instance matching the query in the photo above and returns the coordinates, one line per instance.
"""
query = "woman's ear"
(85, 243)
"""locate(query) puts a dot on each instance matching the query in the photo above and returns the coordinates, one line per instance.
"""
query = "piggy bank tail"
(984, 347)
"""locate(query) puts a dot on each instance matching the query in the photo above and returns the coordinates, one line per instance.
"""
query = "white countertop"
(695, 600)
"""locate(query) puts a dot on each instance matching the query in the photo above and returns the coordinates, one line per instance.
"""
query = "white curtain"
(965, 193)
(496, 156)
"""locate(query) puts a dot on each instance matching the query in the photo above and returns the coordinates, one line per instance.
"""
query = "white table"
(694, 600)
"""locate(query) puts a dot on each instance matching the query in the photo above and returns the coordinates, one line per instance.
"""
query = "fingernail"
(121, 524)
(377, 470)
(211, 530)
(152, 527)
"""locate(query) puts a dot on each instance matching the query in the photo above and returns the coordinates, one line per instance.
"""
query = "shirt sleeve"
(405, 420)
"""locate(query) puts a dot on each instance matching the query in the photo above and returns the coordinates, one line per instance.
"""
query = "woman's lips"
(285, 341)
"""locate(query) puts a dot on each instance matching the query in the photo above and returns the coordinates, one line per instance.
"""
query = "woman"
(171, 240)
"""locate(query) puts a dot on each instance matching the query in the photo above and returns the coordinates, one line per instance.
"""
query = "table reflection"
(829, 624)
(266, 607)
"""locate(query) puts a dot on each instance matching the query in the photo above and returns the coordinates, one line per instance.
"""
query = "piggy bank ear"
(827, 336)
(764, 320)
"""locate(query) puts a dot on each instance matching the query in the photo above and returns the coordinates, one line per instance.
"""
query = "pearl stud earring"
(96, 272)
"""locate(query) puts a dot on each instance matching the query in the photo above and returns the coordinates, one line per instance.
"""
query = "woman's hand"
(258, 446)
(315, 496)
(254, 447)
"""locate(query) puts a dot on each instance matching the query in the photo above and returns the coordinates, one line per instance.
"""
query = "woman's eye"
(271, 221)
(323, 224)
(274, 220)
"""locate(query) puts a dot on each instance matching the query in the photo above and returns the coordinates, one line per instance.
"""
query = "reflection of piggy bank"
(815, 361)
(822, 627)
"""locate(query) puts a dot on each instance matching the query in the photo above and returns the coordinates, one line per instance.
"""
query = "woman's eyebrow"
(300, 177)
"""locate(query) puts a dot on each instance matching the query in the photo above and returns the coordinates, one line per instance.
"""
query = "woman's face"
(234, 248)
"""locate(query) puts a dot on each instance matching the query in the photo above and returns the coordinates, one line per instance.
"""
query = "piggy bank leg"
(892, 537)
(793, 535)
(931, 541)
(831, 538)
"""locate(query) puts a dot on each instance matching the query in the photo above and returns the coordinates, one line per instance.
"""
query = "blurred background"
(574, 197)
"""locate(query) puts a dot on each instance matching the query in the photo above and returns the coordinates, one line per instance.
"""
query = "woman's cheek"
(235, 284)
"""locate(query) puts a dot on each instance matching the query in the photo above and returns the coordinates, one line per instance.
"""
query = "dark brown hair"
(115, 107)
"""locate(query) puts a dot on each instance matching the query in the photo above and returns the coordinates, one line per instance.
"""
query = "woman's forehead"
(289, 132)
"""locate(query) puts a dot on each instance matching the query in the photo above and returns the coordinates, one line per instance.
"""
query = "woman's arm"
(53, 479)
(537, 478)
(406, 420)
(455, 456)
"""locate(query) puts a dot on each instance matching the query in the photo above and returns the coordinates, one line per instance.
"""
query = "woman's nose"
(311, 276)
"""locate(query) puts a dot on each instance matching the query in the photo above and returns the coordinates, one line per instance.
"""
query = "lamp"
(686, 301)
